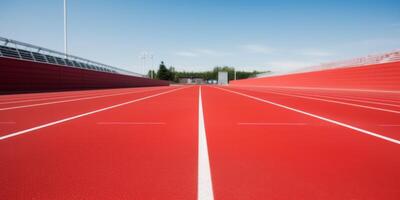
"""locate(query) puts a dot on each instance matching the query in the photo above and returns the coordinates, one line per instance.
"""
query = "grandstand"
(19, 50)
(27, 67)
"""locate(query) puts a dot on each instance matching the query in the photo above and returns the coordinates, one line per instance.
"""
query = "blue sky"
(198, 35)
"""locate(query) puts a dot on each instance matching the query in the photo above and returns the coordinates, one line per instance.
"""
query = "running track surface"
(208, 142)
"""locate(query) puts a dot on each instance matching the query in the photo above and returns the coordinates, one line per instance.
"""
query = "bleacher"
(23, 51)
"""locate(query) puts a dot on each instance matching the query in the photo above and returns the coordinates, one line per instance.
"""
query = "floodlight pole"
(65, 30)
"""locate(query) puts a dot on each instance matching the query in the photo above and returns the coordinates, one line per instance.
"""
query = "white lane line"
(32, 96)
(84, 114)
(7, 123)
(390, 125)
(272, 124)
(344, 98)
(320, 88)
(315, 116)
(333, 101)
(71, 100)
(204, 182)
(130, 123)
(48, 98)
(378, 100)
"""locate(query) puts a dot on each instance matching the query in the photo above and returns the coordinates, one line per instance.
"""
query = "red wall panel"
(378, 77)
(18, 75)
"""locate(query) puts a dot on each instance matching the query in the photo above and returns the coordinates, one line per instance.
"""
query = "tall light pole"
(143, 57)
(151, 64)
(65, 30)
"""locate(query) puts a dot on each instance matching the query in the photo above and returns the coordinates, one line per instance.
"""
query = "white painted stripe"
(380, 100)
(7, 123)
(316, 116)
(48, 98)
(350, 99)
(204, 182)
(390, 125)
(82, 115)
(70, 100)
(337, 102)
(131, 123)
(272, 124)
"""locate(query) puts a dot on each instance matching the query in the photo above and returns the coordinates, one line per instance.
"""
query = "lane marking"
(389, 125)
(315, 116)
(356, 99)
(318, 88)
(71, 100)
(85, 114)
(272, 124)
(87, 94)
(379, 100)
(332, 101)
(344, 96)
(204, 182)
(32, 96)
(130, 123)
(50, 98)
(7, 122)
(351, 99)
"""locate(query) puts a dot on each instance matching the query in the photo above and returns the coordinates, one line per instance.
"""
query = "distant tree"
(151, 74)
(172, 74)
(163, 73)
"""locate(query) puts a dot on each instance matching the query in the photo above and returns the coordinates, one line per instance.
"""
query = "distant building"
(192, 81)
(222, 78)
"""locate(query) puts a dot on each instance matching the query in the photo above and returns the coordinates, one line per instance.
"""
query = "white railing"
(24, 51)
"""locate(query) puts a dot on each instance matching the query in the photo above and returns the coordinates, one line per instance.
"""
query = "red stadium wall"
(378, 77)
(19, 75)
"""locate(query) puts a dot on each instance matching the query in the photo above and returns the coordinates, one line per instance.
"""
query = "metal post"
(65, 30)
(151, 60)
(234, 71)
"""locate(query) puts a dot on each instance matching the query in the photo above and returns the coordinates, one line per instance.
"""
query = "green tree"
(151, 74)
(163, 72)
(172, 74)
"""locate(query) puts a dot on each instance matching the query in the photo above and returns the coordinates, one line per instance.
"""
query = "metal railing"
(19, 50)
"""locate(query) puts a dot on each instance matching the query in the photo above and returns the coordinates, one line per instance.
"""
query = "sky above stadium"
(198, 35)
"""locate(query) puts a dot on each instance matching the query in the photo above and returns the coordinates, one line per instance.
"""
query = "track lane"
(288, 155)
(72, 96)
(371, 120)
(39, 95)
(25, 118)
(367, 97)
(153, 155)
(353, 93)
(49, 102)
(393, 108)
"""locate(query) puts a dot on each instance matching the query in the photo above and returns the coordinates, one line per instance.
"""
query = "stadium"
(252, 100)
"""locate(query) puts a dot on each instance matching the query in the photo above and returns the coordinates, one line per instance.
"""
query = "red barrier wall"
(19, 75)
(378, 77)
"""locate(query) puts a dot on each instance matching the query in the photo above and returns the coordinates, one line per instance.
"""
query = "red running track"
(142, 143)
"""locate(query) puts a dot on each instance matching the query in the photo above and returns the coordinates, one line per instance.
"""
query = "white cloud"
(202, 52)
(315, 53)
(290, 64)
(211, 52)
(380, 41)
(255, 48)
(186, 54)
